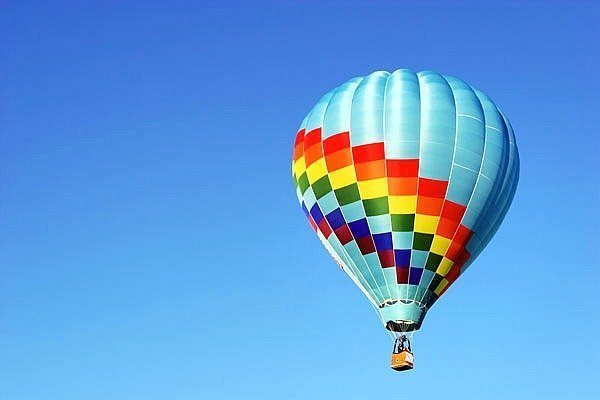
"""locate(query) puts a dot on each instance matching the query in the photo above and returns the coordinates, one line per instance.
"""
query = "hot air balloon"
(405, 177)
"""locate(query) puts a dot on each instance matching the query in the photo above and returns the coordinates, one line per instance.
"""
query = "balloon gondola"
(405, 177)
(402, 355)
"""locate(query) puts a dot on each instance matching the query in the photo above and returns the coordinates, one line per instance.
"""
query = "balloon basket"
(402, 361)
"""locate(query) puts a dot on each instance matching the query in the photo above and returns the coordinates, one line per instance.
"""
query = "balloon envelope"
(405, 178)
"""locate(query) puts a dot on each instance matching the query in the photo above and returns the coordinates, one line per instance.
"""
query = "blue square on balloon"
(383, 241)
(336, 219)
(414, 276)
(359, 228)
(304, 209)
(402, 258)
(316, 213)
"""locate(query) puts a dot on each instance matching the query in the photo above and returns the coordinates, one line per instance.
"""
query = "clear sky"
(151, 243)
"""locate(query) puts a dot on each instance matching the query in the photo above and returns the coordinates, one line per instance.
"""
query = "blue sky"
(152, 245)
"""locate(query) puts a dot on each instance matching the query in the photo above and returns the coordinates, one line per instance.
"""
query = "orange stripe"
(429, 205)
(339, 159)
(402, 186)
(313, 153)
(370, 170)
(298, 151)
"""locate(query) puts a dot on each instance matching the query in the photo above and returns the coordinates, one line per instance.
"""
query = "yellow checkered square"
(316, 171)
(444, 266)
(299, 167)
(426, 223)
(441, 286)
(373, 188)
(342, 177)
(440, 244)
(403, 204)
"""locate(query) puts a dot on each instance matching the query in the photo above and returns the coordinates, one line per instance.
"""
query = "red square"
(386, 258)
(432, 187)
(299, 145)
(402, 274)
(408, 168)
(313, 137)
(336, 142)
(453, 211)
(368, 152)
(454, 251)
(463, 258)
(462, 236)
(299, 137)
(312, 224)
(343, 234)
(366, 245)
(446, 228)
(453, 274)
(324, 227)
